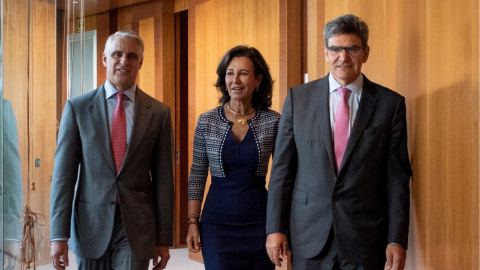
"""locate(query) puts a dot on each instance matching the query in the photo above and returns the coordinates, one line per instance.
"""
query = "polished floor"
(179, 260)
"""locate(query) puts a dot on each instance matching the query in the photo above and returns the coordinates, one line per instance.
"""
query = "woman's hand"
(193, 238)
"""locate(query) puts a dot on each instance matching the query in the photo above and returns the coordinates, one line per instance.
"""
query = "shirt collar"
(355, 86)
(110, 91)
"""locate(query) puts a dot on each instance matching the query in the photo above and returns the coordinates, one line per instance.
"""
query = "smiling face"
(344, 66)
(241, 80)
(123, 60)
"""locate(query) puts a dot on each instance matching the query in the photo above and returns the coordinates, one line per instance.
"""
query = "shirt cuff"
(59, 239)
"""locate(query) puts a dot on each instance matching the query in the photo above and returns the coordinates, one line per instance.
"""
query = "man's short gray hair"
(126, 34)
(346, 24)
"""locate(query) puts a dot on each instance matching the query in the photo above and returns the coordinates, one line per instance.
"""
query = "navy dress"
(233, 218)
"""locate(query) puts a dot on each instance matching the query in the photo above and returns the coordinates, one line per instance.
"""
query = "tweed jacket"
(210, 134)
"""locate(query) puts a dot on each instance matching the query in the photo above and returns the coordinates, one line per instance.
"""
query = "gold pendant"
(241, 120)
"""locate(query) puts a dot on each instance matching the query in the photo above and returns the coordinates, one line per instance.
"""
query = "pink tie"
(119, 132)
(340, 137)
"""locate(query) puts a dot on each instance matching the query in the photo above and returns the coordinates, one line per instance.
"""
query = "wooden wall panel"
(124, 19)
(216, 32)
(146, 75)
(290, 41)
(165, 53)
(410, 71)
(180, 5)
(314, 55)
(15, 80)
(452, 116)
(42, 123)
(102, 35)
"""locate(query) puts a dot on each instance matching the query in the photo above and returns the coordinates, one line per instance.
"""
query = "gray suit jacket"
(367, 201)
(144, 183)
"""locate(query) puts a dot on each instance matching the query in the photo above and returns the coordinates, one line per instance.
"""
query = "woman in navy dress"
(235, 141)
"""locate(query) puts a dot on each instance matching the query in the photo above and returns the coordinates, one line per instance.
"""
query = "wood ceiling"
(96, 6)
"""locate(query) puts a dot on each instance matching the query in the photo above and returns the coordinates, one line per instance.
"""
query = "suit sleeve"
(399, 172)
(162, 177)
(283, 172)
(199, 168)
(66, 162)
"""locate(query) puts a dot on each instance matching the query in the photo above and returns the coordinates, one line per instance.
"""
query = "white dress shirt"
(353, 100)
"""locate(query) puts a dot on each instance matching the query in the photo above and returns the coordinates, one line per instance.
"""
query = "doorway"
(181, 126)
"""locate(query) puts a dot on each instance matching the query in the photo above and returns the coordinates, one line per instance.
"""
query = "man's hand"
(59, 254)
(164, 253)
(277, 248)
(396, 256)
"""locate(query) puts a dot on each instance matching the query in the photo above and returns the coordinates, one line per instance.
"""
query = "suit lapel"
(365, 110)
(323, 116)
(98, 115)
(141, 122)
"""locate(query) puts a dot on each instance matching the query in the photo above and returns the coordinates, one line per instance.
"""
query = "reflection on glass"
(11, 190)
(11, 187)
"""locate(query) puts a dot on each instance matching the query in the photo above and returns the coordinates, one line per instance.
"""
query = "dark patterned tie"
(119, 132)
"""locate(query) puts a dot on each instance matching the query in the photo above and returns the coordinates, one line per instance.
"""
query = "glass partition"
(11, 185)
(28, 111)
(50, 51)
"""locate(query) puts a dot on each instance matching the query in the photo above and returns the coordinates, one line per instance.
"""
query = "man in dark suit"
(341, 202)
(112, 198)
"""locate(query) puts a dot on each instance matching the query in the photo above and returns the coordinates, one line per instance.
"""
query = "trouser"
(118, 256)
(328, 259)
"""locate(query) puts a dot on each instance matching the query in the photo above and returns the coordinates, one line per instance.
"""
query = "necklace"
(241, 118)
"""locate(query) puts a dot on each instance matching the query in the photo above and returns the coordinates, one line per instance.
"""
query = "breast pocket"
(371, 131)
(299, 196)
(372, 144)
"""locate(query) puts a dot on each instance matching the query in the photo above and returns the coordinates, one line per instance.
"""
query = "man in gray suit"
(115, 214)
(341, 206)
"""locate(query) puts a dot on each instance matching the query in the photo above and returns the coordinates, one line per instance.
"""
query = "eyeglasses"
(352, 50)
